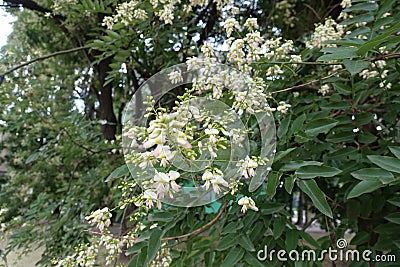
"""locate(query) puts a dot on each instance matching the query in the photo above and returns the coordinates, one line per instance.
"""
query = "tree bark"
(105, 97)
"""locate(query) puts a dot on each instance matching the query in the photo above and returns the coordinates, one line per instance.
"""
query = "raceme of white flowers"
(129, 12)
(329, 30)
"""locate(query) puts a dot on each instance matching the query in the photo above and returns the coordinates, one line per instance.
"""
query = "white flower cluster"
(112, 246)
(286, 8)
(242, 52)
(175, 76)
(100, 217)
(377, 71)
(85, 256)
(345, 4)
(61, 6)
(3, 226)
(323, 33)
(167, 13)
(230, 25)
(344, 14)
(282, 107)
(247, 203)
(127, 12)
(324, 89)
(215, 178)
(247, 167)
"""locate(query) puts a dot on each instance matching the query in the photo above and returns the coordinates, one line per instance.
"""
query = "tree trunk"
(105, 97)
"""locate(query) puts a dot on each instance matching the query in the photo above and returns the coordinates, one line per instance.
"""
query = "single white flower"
(161, 184)
(151, 197)
(217, 181)
(173, 175)
(207, 176)
(246, 203)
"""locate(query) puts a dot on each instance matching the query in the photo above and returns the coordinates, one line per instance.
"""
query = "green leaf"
(278, 226)
(307, 237)
(393, 217)
(270, 208)
(289, 183)
(142, 257)
(134, 261)
(232, 227)
(113, 34)
(384, 7)
(136, 247)
(360, 238)
(118, 173)
(318, 126)
(395, 201)
(338, 53)
(355, 66)
(357, 19)
(309, 172)
(251, 260)
(375, 42)
(227, 242)
(209, 258)
(283, 127)
(292, 239)
(364, 187)
(366, 138)
(32, 157)
(311, 189)
(340, 137)
(245, 242)
(362, 7)
(373, 174)
(344, 153)
(281, 154)
(233, 257)
(154, 244)
(387, 163)
(297, 124)
(272, 184)
(357, 32)
(342, 89)
(162, 216)
(294, 165)
(395, 150)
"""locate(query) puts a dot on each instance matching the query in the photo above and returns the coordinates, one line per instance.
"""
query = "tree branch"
(197, 231)
(41, 58)
(307, 85)
(32, 5)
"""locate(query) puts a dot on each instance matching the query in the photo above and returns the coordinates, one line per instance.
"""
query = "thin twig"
(384, 56)
(308, 83)
(313, 11)
(197, 231)
(297, 63)
(201, 229)
(44, 57)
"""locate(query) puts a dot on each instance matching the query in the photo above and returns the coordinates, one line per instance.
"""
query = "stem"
(308, 83)
(43, 58)
(296, 63)
(197, 231)
(201, 229)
